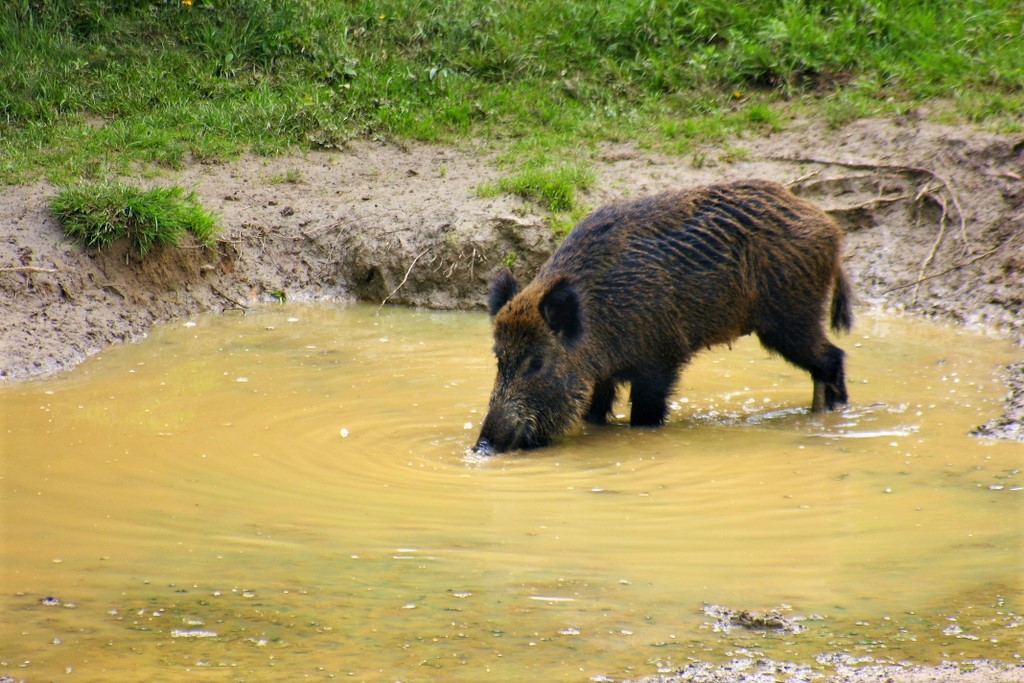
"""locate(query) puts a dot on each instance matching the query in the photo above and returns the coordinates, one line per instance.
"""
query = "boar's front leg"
(601, 402)
(649, 396)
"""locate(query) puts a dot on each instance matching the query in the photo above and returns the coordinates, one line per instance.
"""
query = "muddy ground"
(934, 218)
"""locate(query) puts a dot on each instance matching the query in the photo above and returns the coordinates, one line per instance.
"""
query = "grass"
(90, 89)
(98, 214)
(552, 187)
(293, 176)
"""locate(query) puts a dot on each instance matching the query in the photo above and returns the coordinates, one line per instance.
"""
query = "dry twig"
(874, 203)
(404, 279)
(804, 178)
(236, 302)
(26, 269)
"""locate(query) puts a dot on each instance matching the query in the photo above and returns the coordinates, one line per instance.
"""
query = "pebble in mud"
(51, 601)
(726, 619)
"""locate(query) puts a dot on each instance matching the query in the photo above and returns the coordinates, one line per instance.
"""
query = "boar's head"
(539, 391)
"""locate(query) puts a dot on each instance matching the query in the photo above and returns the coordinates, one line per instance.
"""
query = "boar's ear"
(560, 309)
(503, 287)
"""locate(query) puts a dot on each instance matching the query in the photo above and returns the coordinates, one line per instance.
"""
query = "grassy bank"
(90, 88)
(98, 214)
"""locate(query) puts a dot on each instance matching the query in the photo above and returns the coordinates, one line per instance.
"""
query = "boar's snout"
(502, 432)
(483, 447)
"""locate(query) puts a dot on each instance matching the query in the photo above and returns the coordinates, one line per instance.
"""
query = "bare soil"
(934, 218)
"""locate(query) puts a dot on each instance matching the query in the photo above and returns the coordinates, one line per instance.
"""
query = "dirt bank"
(934, 217)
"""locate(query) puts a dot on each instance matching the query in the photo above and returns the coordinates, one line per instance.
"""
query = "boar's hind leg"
(601, 403)
(833, 381)
(649, 395)
(812, 352)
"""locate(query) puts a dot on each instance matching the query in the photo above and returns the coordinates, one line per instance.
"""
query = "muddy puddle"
(285, 495)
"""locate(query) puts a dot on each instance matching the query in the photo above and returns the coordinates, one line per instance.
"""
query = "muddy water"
(286, 496)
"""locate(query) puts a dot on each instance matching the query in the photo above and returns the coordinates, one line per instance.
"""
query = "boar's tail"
(842, 313)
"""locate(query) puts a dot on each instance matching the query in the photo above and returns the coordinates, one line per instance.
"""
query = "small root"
(404, 279)
(927, 191)
(983, 255)
(935, 245)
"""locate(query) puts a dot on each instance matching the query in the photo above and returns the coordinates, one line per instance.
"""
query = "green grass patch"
(98, 214)
(293, 176)
(554, 188)
(95, 88)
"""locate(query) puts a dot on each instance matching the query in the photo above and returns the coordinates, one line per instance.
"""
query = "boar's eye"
(534, 366)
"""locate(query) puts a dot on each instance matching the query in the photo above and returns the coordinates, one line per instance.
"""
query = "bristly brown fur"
(638, 287)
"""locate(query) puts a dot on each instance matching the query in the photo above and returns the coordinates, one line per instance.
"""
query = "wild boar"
(638, 287)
